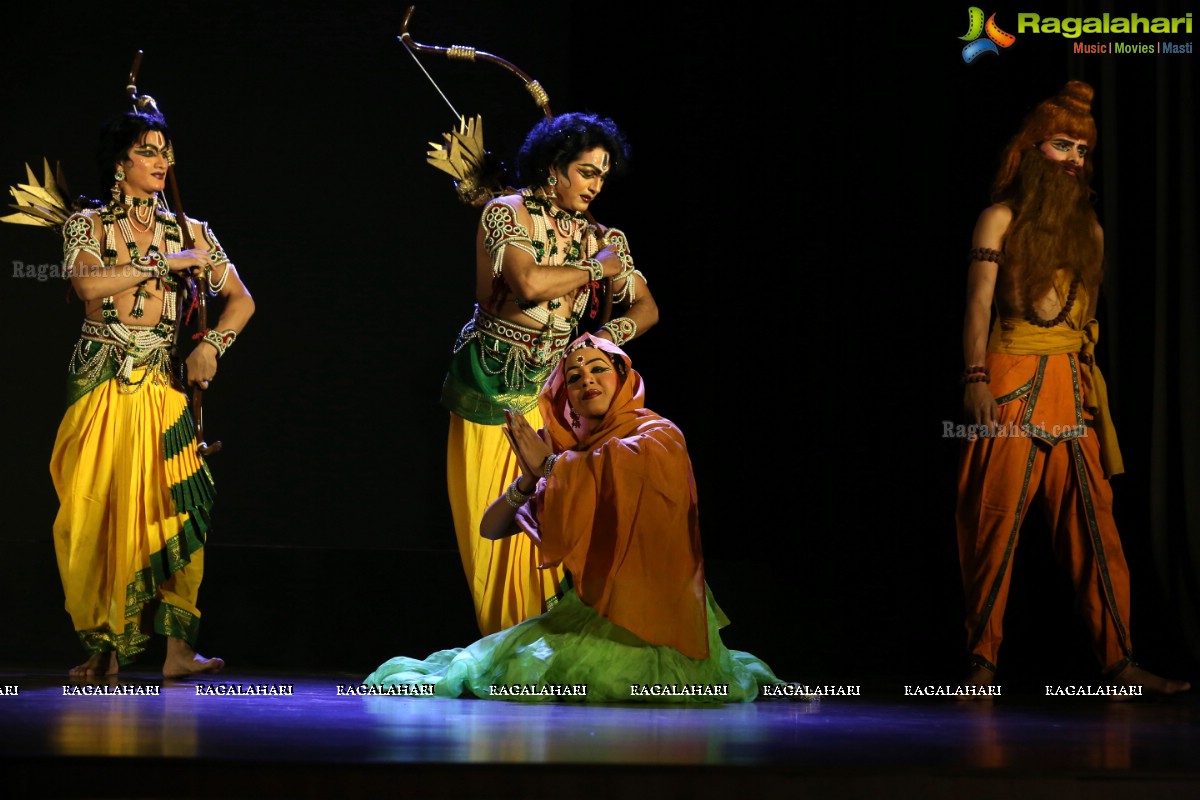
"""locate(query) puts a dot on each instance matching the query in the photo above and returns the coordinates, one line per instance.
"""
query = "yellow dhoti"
(506, 583)
(134, 500)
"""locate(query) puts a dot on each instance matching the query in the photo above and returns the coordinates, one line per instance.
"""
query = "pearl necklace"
(140, 295)
(141, 208)
(566, 222)
(127, 229)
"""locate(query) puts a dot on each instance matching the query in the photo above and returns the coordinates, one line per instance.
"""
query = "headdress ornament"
(579, 345)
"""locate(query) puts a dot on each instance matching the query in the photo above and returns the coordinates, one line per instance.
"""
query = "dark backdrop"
(801, 197)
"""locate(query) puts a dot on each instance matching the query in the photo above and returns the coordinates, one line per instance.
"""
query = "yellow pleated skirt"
(503, 575)
(134, 502)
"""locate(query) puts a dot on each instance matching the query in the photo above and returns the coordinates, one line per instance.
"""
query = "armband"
(78, 238)
(621, 329)
(985, 254)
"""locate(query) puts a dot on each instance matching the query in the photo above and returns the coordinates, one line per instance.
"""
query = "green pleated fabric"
(570, 646)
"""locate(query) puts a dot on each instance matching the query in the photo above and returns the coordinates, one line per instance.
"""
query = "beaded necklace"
(139, 296)
(541, 210)
(134, 346)
(146, 346)
(131, 242)
(113, 216)
(141, 208)
(137, 202)
(1059, 318)
(545, 245)
(566, 223)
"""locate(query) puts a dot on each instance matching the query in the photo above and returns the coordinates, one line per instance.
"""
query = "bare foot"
(981, 677)
(98, 666)
(183, 661)
(1134, 675)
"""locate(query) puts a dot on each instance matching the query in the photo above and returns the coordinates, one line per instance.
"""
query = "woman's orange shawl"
(619, 512)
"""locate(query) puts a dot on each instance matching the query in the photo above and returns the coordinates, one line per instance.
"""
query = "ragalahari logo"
(976, 27)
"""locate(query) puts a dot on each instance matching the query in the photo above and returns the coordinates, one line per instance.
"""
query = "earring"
(552, 181)
(118, 176)
(574, 419)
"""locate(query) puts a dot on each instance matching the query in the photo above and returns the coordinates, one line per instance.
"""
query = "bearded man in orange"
(1040, 430)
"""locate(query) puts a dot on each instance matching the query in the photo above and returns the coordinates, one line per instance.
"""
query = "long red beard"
(1054, 227)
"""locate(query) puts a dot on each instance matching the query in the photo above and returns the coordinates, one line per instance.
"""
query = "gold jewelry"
(514, 496)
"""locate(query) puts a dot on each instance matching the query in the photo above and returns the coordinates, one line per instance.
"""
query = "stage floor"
(189, 741)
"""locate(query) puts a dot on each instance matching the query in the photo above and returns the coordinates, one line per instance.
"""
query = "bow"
(463, 53)
(198, 286)
(478, 177)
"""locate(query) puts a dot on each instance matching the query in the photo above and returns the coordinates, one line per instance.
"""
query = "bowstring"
(431, 80)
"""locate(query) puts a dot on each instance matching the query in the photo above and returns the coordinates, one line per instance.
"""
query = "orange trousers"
(1041, 455)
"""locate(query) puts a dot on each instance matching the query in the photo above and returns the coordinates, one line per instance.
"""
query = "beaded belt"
(484, 323)
(145, 348)
(98, 332)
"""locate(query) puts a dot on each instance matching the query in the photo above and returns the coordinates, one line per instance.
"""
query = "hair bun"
(1076, 96)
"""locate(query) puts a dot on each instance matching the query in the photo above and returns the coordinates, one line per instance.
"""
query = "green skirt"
(571, 653)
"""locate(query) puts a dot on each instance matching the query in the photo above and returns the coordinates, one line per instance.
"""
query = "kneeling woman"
(607, 491)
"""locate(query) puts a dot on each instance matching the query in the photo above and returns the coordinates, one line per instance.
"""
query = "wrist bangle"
(611, 235)
(219, 339)
(976, 373)
(548, 464)
(514, 496)
(152, 263)
(591, 266)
